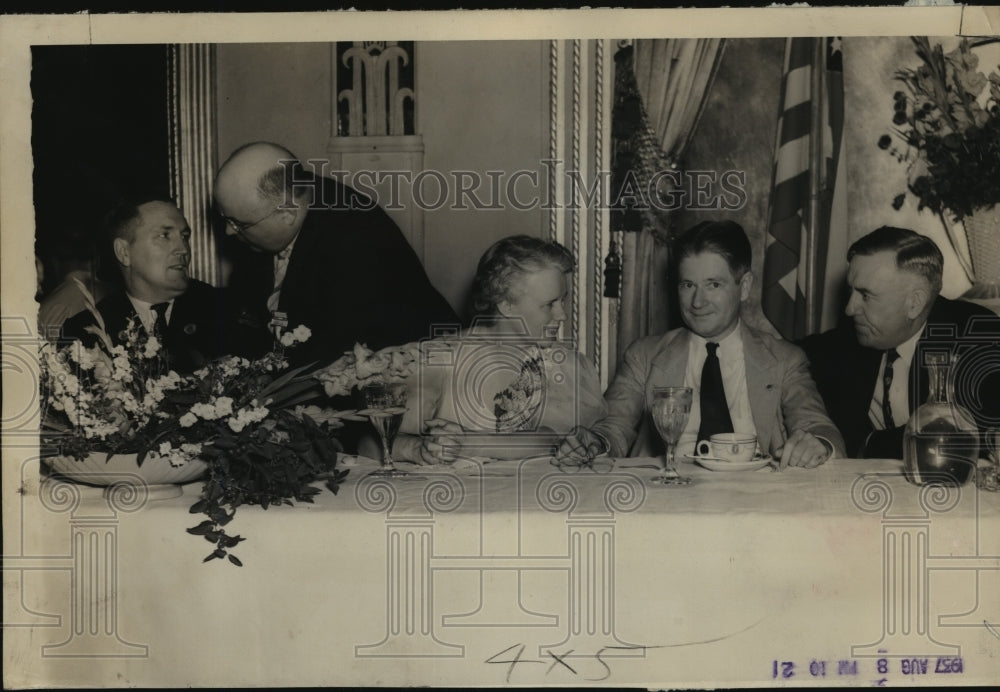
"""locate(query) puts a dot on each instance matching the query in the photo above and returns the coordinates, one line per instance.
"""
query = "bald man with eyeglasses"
(327, 257)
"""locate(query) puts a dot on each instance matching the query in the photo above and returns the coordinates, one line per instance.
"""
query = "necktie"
(160, 325)
(714, 408)
(890, 357)
(280, 269)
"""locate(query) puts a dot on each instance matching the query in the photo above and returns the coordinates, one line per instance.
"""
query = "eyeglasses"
(243, 226)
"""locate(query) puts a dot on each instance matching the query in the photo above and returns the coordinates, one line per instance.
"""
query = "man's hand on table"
(580, 445)
(803, 449)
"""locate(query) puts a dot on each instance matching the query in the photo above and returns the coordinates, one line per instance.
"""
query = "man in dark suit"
(150, 241)
(327, 257)
(866, 369)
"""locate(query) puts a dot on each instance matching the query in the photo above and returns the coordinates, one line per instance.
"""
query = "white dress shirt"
(734, 380)
(899, 389)
(146, 313)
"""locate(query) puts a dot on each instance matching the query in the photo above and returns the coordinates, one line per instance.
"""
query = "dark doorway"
(100, 119)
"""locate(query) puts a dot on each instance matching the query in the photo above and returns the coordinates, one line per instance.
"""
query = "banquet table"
(516, 572)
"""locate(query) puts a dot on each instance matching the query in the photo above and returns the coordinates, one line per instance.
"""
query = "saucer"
(716, 464)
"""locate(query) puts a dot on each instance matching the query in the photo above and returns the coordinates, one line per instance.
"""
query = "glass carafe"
(941, 441)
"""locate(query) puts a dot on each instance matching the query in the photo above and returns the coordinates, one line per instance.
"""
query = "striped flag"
(802, 202)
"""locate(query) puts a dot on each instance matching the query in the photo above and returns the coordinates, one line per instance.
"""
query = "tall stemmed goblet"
(385, 403)
(671, 407)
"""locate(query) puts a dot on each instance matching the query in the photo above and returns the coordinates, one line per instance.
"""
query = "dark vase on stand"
(941, 440)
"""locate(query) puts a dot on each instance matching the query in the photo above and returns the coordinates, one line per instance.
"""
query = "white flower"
(296, 336)
(164, 449)
(246, 416)
(85, 357)
(187, 420)
(122, 368)
(69, 405)
(222, 406)
(152, 347)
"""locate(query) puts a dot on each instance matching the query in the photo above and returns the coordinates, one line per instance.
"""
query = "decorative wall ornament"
(380, 98)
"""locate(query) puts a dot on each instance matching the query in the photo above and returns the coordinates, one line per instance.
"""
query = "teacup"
(738, 447)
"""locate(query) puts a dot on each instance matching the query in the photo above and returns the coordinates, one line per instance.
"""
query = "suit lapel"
(670, 363)
(666, 369)
(762, 389)
(295, 273)
(116, 311)
(185, 320)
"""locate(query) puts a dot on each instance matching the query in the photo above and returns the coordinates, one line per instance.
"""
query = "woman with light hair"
(508, 382)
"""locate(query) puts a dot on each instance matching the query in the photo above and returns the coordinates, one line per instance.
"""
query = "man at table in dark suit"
(866, 368)
(743, 380)
(327, 257)
(150, 240)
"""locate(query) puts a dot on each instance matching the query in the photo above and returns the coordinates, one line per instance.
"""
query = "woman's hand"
(438, 444)
(434, 446)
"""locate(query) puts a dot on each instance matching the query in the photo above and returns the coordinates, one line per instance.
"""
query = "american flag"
(802, 201)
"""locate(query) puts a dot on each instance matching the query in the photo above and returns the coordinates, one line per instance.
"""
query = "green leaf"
(198, 507)
(231, 541)
(273, 390)
(235, 560)
(202, 528)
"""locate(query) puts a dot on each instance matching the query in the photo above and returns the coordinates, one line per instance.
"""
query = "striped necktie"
(160, 325)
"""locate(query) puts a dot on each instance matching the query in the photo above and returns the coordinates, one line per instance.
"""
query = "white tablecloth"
(520, 573)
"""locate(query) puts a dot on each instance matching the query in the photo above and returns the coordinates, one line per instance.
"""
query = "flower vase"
(982, 229)
(157, 476)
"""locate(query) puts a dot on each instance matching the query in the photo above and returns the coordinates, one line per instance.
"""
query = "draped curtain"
(672, 78)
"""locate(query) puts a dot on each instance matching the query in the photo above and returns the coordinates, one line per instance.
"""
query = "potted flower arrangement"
(949, 128)
(235, 422)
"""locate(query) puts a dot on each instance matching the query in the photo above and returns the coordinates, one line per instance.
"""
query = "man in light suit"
(742, 379)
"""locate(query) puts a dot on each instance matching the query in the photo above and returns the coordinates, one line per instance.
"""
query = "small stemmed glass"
(670, 411)
(385, 404)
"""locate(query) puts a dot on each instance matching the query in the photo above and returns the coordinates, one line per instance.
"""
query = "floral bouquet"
(363, 366)
(234, 414)
(952, 127)
(358, 368)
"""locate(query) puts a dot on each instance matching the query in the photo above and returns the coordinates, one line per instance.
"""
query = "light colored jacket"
(783, 397)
